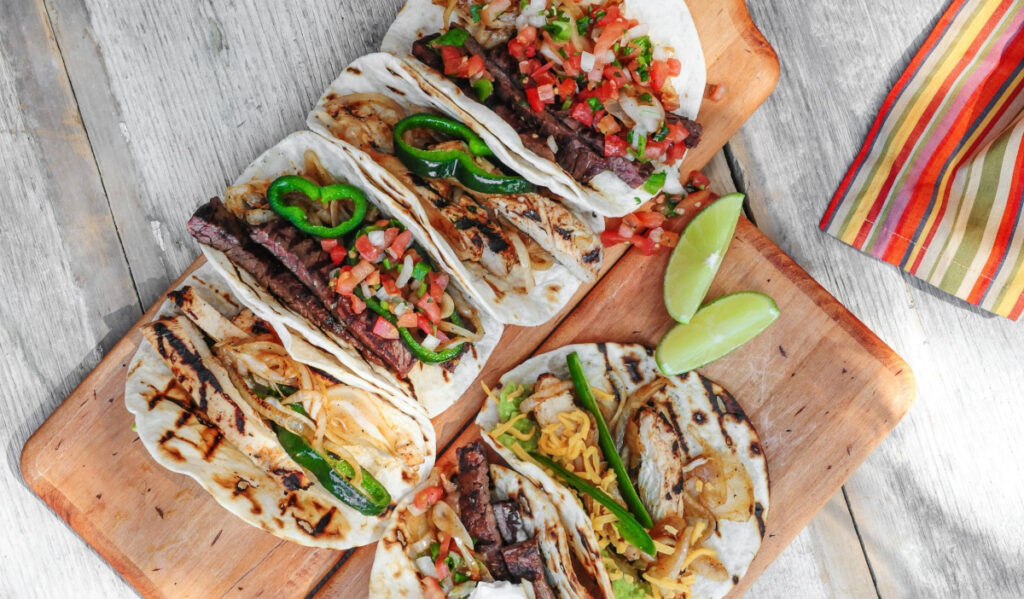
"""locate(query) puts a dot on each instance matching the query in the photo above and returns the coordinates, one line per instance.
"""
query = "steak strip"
(524, 562)
(475, 506)
(303, 256)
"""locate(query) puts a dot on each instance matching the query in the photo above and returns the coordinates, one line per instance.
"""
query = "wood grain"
(939, 505)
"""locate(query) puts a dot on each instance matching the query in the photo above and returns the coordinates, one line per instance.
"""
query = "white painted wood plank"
(67, 296)
(939, 506)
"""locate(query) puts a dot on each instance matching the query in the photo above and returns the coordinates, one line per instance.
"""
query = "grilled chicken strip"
(181, 346)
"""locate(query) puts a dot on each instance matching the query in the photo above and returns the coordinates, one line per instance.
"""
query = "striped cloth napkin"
(938, 186)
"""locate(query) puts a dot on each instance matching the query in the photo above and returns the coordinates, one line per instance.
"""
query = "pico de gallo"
(587, 62)
(650, 230)
(381, 269)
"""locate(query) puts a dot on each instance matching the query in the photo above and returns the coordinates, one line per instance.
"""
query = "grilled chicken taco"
(668, 470)
(518, 246)
(315, 250)
(480, 531)
(287, 440)
(597, 95)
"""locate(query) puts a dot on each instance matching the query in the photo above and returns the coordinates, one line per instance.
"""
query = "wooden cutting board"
(821, 388)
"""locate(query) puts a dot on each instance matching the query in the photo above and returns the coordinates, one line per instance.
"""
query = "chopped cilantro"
(646, 98)
(561, 52)
(640, 141)
(453, 37)
(475, 12)
(483, 88)
(600, 14)
(559, 29)
(582, 24)
(523, 4)
(638, 201)
(567, 104)
(655, 182)
(661, 134)
(595, 104)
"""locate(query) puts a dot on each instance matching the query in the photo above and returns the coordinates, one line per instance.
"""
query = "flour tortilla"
(620, 369)
(169, 426)
(394, 574)
(432, 385)
(384, 74)
(670, 25)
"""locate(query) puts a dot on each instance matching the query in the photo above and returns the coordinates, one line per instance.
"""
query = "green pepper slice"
(632, 531)
(422, 354)
(328, 193)
(336, 475)
(436, 164)
(579, 379)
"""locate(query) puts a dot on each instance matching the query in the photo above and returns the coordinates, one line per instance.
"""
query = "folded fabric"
(937, 187)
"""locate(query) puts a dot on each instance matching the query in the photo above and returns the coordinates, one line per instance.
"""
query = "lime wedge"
(699, 253)
(715, 330)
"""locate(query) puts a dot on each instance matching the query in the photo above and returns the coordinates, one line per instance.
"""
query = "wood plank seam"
(860, 539)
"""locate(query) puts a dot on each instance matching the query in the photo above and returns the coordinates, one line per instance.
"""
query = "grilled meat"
(475, 506)
(524, 562)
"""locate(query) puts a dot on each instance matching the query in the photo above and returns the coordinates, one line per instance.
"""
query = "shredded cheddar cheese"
(682, 585)
(663, 548)
(509, 428)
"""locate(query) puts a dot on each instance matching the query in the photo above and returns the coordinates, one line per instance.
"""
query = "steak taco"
(598, 96)
(518, 246)
(287, 440)
(479, 531)
(668, 470)
(316, 251)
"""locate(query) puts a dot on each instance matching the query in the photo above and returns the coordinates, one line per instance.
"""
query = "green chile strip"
(328, 193)
(335, 475)
(435, 164)
(631, 530)
(607, 443)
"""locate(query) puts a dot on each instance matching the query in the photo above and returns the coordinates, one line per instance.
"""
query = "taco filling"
(583, 84)
(683, 495)
(343, 265)
(510, 228)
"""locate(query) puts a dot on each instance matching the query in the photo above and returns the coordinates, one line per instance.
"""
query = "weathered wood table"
(116, 118)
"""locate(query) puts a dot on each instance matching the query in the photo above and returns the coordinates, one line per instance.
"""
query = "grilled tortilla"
(193, 418)
(523, 255)
(691, 453)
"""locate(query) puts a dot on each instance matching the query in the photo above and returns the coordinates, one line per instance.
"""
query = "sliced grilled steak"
(303, 255)
(213, 225)
(475, 506)
(510, 521)
(524, 562)
(693, 127)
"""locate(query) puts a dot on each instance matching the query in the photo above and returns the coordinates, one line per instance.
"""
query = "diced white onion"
(365, 289)
(400, 308)
(406, 272)
(381, 294)
(587, 62)
(495, 8)
(532, 14)
(635, 32)
(426, 566)
(376, 238)
(549, 53)
(552, 145)
(609, 57)
(648, 117)
(430, 342)
(595, 74)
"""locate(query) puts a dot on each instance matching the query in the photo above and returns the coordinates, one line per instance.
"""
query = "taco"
(685, 515)
(301, 448)
(518, 246)
(377, 297)
(599, 96)
(481, 530)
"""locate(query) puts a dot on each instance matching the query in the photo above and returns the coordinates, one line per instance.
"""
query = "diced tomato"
(433, 589)
(650, 219)
(533, 97)
(675, 152)
(572, 66)
(582, 112)
(699, 180)
(674, 67)
(366, 249)
(362, 270)
(676, 133)
(439, 565)
(701, 197)
(654, 149)
(328, 244)
(438, 280)
(612, 32)
(408, 320)
(337, 253)
(430, 307)
(389, 286)
(474, 65)
(441, 336)
(427, 497)
(424, 323)
(541, 70)
(611, 14)
(384, 329)
(608, 125)
(527, 35)
(529, 66)
(373, 278)
(517, 49)
(616, 74)
(358, 305)
(645, 245)
(452, 58)
(669, 239)
(614, 145)
(632, 221)
(609, 90)
(545, 78)
(546, 93)
(610, 237)
(400, 244)
(346, 283)
(389, 235)
(659, 73)
(566, 88)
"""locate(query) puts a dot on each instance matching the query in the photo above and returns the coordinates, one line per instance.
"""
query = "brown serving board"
(821, 388)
